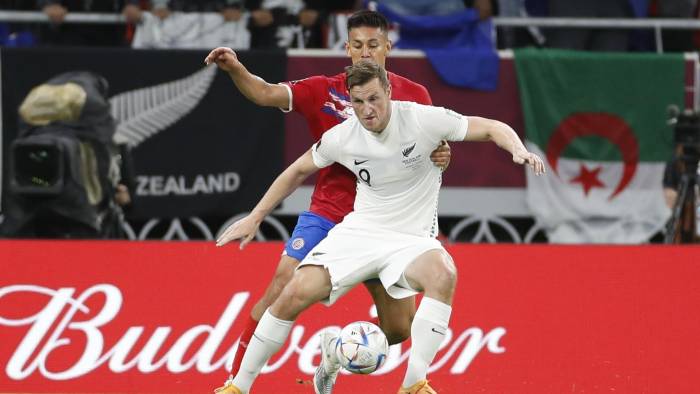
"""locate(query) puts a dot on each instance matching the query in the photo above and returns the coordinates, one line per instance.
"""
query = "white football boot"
(327, 371)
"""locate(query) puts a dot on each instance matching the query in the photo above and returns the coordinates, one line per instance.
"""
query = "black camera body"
(37, 166)
(687, 135)
(63, 165)
(682, 227)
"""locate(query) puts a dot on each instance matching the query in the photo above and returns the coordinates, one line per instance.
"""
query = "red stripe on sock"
(243, 344)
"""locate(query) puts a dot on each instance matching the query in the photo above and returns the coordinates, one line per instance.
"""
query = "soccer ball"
(361, 347)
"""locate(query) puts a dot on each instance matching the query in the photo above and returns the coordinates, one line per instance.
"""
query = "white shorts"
(352, 256)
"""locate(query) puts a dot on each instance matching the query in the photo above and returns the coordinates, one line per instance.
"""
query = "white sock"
(267, 339)
(427, 332)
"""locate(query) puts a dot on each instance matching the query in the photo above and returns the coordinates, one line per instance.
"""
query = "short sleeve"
(422, 96)
(442, 123)
(327, 150)
(305, 93)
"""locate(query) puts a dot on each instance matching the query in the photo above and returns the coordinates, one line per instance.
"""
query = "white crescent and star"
(608, 126)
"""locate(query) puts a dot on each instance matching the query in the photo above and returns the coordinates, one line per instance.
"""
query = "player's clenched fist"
(224, 57)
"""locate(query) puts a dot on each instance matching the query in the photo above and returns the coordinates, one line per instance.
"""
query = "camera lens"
(36, 165)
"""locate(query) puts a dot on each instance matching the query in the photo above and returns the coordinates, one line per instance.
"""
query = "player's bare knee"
(296, 293)
(443, 276)
(290, 302)
(308, 285)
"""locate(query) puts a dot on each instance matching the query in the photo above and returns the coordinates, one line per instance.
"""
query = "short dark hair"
(367, 18)
(364, 71)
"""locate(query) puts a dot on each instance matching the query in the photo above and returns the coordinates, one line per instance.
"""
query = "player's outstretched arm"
(246, 228)
(483, 129)
(251, 86)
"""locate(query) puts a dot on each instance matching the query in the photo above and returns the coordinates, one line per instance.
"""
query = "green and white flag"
(599, 122)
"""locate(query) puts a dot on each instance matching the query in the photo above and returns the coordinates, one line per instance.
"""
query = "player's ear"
(347, 48)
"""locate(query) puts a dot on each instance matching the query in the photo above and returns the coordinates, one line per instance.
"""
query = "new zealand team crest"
(408, 159)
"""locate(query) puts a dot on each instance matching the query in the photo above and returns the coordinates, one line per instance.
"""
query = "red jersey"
(324, 102)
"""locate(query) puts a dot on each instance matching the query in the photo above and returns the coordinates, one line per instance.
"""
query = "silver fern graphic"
(144, 112)
(408, 151)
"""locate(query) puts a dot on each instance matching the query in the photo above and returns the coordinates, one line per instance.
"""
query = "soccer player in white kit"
(390, 235)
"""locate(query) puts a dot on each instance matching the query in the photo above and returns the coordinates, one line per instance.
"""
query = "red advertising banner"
(140, 317)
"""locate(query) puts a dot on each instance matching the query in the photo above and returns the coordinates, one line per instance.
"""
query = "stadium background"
(225, 133)
(156, 317)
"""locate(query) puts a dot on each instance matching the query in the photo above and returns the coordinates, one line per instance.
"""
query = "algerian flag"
(599, 122)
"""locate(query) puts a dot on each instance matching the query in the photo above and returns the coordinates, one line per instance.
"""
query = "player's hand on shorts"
(244, 229)
(530, 159)
(224, 57)
(441, 155)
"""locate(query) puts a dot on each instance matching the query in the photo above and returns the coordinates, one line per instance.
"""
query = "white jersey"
(398, 185)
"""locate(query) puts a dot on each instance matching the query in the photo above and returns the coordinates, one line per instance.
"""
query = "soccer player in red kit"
(324, 102)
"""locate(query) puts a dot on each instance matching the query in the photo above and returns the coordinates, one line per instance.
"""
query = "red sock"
(375, 320)
(243, 344)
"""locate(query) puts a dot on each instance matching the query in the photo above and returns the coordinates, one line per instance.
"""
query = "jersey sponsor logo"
(314, 254)
(298, 243)
(358, 162)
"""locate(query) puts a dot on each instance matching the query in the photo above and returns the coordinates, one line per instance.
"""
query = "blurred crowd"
(240, 24)
(264, 24)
